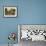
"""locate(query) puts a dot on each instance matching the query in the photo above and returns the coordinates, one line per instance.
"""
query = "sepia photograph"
(10, 11)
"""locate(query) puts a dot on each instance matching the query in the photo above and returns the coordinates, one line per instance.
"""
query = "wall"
(29, 12)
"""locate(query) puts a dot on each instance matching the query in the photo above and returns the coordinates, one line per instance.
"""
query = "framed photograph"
(31, 32)
(10, 11)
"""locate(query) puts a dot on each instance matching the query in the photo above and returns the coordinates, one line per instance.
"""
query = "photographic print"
(32, 32)
(10, 11)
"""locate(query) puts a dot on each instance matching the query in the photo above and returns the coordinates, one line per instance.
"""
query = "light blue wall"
(29, 12)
